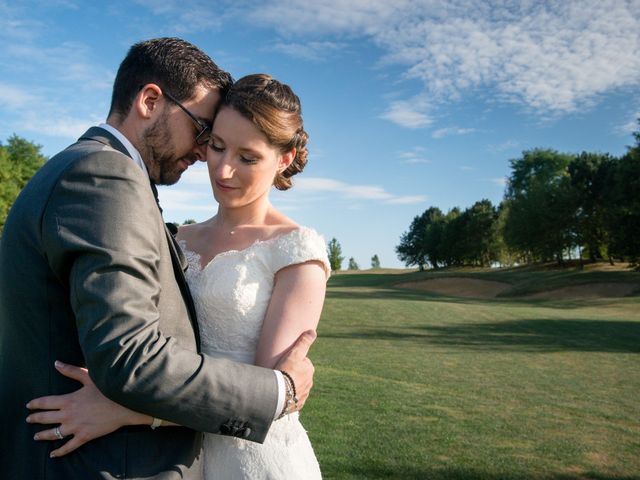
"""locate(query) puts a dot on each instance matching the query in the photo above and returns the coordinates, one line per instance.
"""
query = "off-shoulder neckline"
(198, 258)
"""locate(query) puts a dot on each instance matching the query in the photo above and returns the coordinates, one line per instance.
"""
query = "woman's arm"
(295, 306)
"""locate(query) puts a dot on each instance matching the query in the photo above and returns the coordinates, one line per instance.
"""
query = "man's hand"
(296, 363)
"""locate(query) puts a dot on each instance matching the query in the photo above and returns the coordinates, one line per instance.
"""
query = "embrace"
(129, 350)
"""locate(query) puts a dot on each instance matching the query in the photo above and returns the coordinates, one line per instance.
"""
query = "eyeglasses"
(204, 130)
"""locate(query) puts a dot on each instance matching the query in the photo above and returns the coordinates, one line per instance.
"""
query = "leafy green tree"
(334, 251)
(353, 265)
(504, 255)
(623, 202)
(411, 247)
(434, 227)
(189, 221)
(541, 211)
(19, 160)
(480, 246)
(375, 261)
(450, 251)
(590, 174)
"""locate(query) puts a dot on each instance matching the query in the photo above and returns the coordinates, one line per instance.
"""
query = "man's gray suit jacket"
(89, 275)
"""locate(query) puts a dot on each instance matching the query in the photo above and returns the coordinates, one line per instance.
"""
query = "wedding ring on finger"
(58, 432)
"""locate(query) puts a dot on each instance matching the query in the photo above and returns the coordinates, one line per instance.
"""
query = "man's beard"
(162, 162)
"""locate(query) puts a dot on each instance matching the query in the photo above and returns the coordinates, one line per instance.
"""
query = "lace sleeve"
(299, 246)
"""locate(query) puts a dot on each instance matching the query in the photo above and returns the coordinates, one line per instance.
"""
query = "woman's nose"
(222, 168)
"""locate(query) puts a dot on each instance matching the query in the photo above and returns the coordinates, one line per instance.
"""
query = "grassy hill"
(415, 385)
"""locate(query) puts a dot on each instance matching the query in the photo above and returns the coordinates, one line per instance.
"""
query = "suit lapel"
(177, 257)
(179, 266)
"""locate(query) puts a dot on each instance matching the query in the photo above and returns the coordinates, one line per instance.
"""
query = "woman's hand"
(86, 413)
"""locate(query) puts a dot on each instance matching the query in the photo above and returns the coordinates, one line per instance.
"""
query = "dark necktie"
(171, 231)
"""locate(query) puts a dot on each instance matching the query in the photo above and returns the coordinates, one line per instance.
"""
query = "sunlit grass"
(412, 385)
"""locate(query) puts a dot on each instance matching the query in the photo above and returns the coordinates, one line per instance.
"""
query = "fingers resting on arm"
(82, 415)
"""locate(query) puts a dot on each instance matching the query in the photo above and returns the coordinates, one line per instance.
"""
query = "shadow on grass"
(418, 295)
(528, 335)
(389, 472)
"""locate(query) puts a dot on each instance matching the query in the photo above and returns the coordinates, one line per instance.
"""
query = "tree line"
(556, 206)
(19, 160)
(334, 252)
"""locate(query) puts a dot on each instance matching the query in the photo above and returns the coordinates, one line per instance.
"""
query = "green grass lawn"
(413, 385)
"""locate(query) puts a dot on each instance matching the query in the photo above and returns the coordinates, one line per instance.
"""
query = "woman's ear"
(147, 100)
(286, 159)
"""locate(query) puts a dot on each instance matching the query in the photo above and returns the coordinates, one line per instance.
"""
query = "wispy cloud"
(413, 156)
(177, 199)
(550, 57)
(449, 131)
(192, 15)
(33, 110)
(504, 146)
(359, 192)
(60, 126)
(409, 114)
(65, 64)
(312, 51)
(12, 96)
(630, 126)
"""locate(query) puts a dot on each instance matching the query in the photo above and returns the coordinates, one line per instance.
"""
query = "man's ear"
(147, 101)
(286, 159)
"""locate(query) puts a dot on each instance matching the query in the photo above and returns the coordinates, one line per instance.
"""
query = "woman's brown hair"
(275, 110)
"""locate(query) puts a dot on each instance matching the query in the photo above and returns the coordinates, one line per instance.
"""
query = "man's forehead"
(204, 102)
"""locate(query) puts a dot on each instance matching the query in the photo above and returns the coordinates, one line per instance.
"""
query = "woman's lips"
(224, 187)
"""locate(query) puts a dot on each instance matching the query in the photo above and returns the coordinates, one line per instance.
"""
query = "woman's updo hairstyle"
(275, 110)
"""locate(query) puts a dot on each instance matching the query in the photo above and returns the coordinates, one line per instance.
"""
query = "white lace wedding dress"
(231, 294)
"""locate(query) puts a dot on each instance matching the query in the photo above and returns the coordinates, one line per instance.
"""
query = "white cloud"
(551, 57)
(358, 192)
(409, 114)
(326, 16)
(64, 64)
(193, 15)
(408, 200)
(504, 146)
(631, 126)
(15, 97)
(32, 110)
(446, 132)
(313, 51)
(196, 175)
(501, 181)
(178, 199)
(64, 127)
(413, 156)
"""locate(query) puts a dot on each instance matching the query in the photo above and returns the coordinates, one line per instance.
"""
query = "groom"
(90, 275)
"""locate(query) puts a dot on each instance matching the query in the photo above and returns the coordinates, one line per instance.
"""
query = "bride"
(257, 279)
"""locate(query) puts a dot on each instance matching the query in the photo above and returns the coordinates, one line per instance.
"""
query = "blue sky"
(409, 104)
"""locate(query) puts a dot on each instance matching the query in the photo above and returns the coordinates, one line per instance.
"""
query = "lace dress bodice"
(232, 292)
(231, 295)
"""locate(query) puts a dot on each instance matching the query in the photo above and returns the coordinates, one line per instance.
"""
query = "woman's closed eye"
(248, 161)
(216, 147)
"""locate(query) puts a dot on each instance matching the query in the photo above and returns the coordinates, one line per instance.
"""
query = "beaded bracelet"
(293, 385)
(291, 398)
